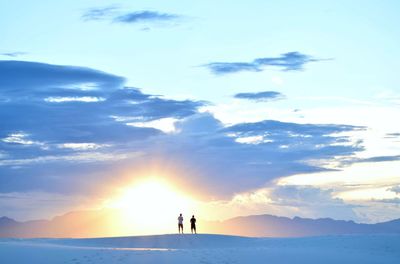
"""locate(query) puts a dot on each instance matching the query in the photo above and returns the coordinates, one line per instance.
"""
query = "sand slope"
(382, 249)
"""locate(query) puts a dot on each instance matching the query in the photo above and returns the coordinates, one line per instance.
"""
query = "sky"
(232, 107)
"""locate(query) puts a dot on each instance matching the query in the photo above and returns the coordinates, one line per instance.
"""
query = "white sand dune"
(382, 249)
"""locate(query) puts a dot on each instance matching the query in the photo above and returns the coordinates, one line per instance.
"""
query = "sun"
(151, 206)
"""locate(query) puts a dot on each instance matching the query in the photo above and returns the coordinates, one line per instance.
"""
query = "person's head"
(180, 214)
(193, 216)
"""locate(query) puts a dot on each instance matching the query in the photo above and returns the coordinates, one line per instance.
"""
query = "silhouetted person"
(193, 224)
(180, 223)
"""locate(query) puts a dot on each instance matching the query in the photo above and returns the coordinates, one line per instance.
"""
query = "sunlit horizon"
(151, 206)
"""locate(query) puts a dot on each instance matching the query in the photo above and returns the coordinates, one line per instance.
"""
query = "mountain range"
(100, 223)
(276, 226)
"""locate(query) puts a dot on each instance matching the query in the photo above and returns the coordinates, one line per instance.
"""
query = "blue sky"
(273, 104)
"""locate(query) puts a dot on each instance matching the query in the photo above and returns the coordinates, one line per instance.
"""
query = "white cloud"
(252, 140)
(167, 125)
(82, 157)
(18, 138)
(85, 99)
(359, 174)
(82, 146)
(22, 139)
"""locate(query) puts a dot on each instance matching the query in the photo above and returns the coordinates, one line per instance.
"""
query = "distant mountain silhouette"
(94, 223)
(7, 222)
(99, 224)
(275, 226)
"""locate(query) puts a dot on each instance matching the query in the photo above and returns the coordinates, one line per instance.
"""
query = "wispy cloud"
(261, 96)
(100, 13)
(374, 159)
(119, 15)
(13, 54)
(380, 159)
(395, 189)
(145, 16)
(291, 61)
(232, 67)
(393, 135)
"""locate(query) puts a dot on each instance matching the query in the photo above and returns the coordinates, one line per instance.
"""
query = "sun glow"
(151, 207)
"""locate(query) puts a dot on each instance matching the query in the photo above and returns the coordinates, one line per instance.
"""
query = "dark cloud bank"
(64, 128)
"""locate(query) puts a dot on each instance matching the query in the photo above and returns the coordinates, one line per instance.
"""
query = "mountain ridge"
(98, 223)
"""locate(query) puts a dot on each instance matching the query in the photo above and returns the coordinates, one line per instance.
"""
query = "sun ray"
(151, 206)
